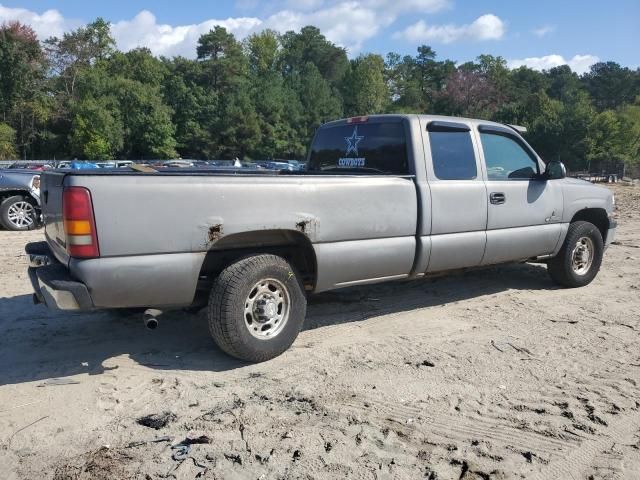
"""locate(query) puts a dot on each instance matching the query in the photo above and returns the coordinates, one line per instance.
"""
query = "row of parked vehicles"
(20, 181)
(291, 165)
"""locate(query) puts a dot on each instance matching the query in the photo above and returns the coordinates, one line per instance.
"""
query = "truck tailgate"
(51, 188)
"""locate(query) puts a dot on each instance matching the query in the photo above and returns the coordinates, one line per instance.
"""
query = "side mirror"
(555, 170)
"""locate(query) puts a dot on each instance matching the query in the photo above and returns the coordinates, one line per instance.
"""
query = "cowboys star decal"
(353, 141)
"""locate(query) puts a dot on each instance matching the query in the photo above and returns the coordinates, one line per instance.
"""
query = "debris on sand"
(58, 381)
(234, 458)
(100, 464)
(196, 440)
(181, 450)
(157, 420)
(139, 443)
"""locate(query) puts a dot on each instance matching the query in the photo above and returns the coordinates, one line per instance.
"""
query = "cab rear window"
(366, 148)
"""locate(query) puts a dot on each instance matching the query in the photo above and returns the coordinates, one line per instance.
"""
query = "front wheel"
(580, 257)
(19, 213)
(256, 308)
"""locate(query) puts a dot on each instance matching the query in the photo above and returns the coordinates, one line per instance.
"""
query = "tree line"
(77, 96)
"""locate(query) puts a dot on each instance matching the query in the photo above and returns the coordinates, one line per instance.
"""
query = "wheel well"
(10, 193)
(291, 245)
(597, 216)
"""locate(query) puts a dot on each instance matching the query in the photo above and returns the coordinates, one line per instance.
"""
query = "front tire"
(19, 213)
(580, 257)
(256, 308)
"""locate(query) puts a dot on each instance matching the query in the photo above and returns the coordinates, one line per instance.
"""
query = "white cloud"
(404, 6)
(348, 24)
(485, 27)
(162, 39)
(579, 63)
(544, 30)
(304, 4)
(47, 24)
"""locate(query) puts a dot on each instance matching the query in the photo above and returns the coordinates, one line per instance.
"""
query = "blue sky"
(540, 33)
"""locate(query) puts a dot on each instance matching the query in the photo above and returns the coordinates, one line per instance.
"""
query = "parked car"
(28, 165)
(19, 199)
(273, 165)
(178, 163)
(384, 197)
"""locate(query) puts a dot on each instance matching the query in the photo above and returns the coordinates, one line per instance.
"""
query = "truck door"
(458, 197)
(524, 210)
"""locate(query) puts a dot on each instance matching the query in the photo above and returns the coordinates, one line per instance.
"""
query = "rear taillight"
(79, 223)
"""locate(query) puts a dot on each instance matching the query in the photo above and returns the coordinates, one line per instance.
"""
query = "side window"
(506, 159)
(452, 155)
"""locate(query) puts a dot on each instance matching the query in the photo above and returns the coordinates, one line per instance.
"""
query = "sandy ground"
(492, 374)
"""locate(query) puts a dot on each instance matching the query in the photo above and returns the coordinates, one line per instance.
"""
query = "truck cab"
(484, 196)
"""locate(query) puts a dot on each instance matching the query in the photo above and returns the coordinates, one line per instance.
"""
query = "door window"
(506, 159)
(452, 155)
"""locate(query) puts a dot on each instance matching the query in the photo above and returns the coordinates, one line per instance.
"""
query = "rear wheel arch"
(293, 246)
(11, 193)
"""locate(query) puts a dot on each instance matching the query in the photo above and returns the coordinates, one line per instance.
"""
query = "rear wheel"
(256, 308)
(18, 213)
(579, 260)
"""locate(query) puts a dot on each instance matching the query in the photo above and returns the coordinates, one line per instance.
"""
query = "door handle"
(497, 198)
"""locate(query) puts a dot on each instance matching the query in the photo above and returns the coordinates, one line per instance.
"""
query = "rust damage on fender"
(215, 232)
(308, 225)
(302, 225)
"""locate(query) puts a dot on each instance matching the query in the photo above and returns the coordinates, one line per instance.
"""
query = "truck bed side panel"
(142, 215)
(155, 230)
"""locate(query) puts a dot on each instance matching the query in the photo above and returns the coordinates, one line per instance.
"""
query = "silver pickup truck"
(382, 198)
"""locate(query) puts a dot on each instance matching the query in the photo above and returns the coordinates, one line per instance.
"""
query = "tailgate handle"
(497, 198)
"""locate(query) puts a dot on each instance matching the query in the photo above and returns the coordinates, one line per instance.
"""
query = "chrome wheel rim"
(582, 256)
(21, 214)
(266, 309)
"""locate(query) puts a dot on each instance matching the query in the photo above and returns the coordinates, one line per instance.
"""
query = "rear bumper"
(52, 283)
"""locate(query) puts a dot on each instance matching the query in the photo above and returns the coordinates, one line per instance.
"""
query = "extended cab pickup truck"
(383, 197)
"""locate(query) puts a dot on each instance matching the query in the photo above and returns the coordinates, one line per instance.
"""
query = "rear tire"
(256, 308)
(580, 257)
(19, 213)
